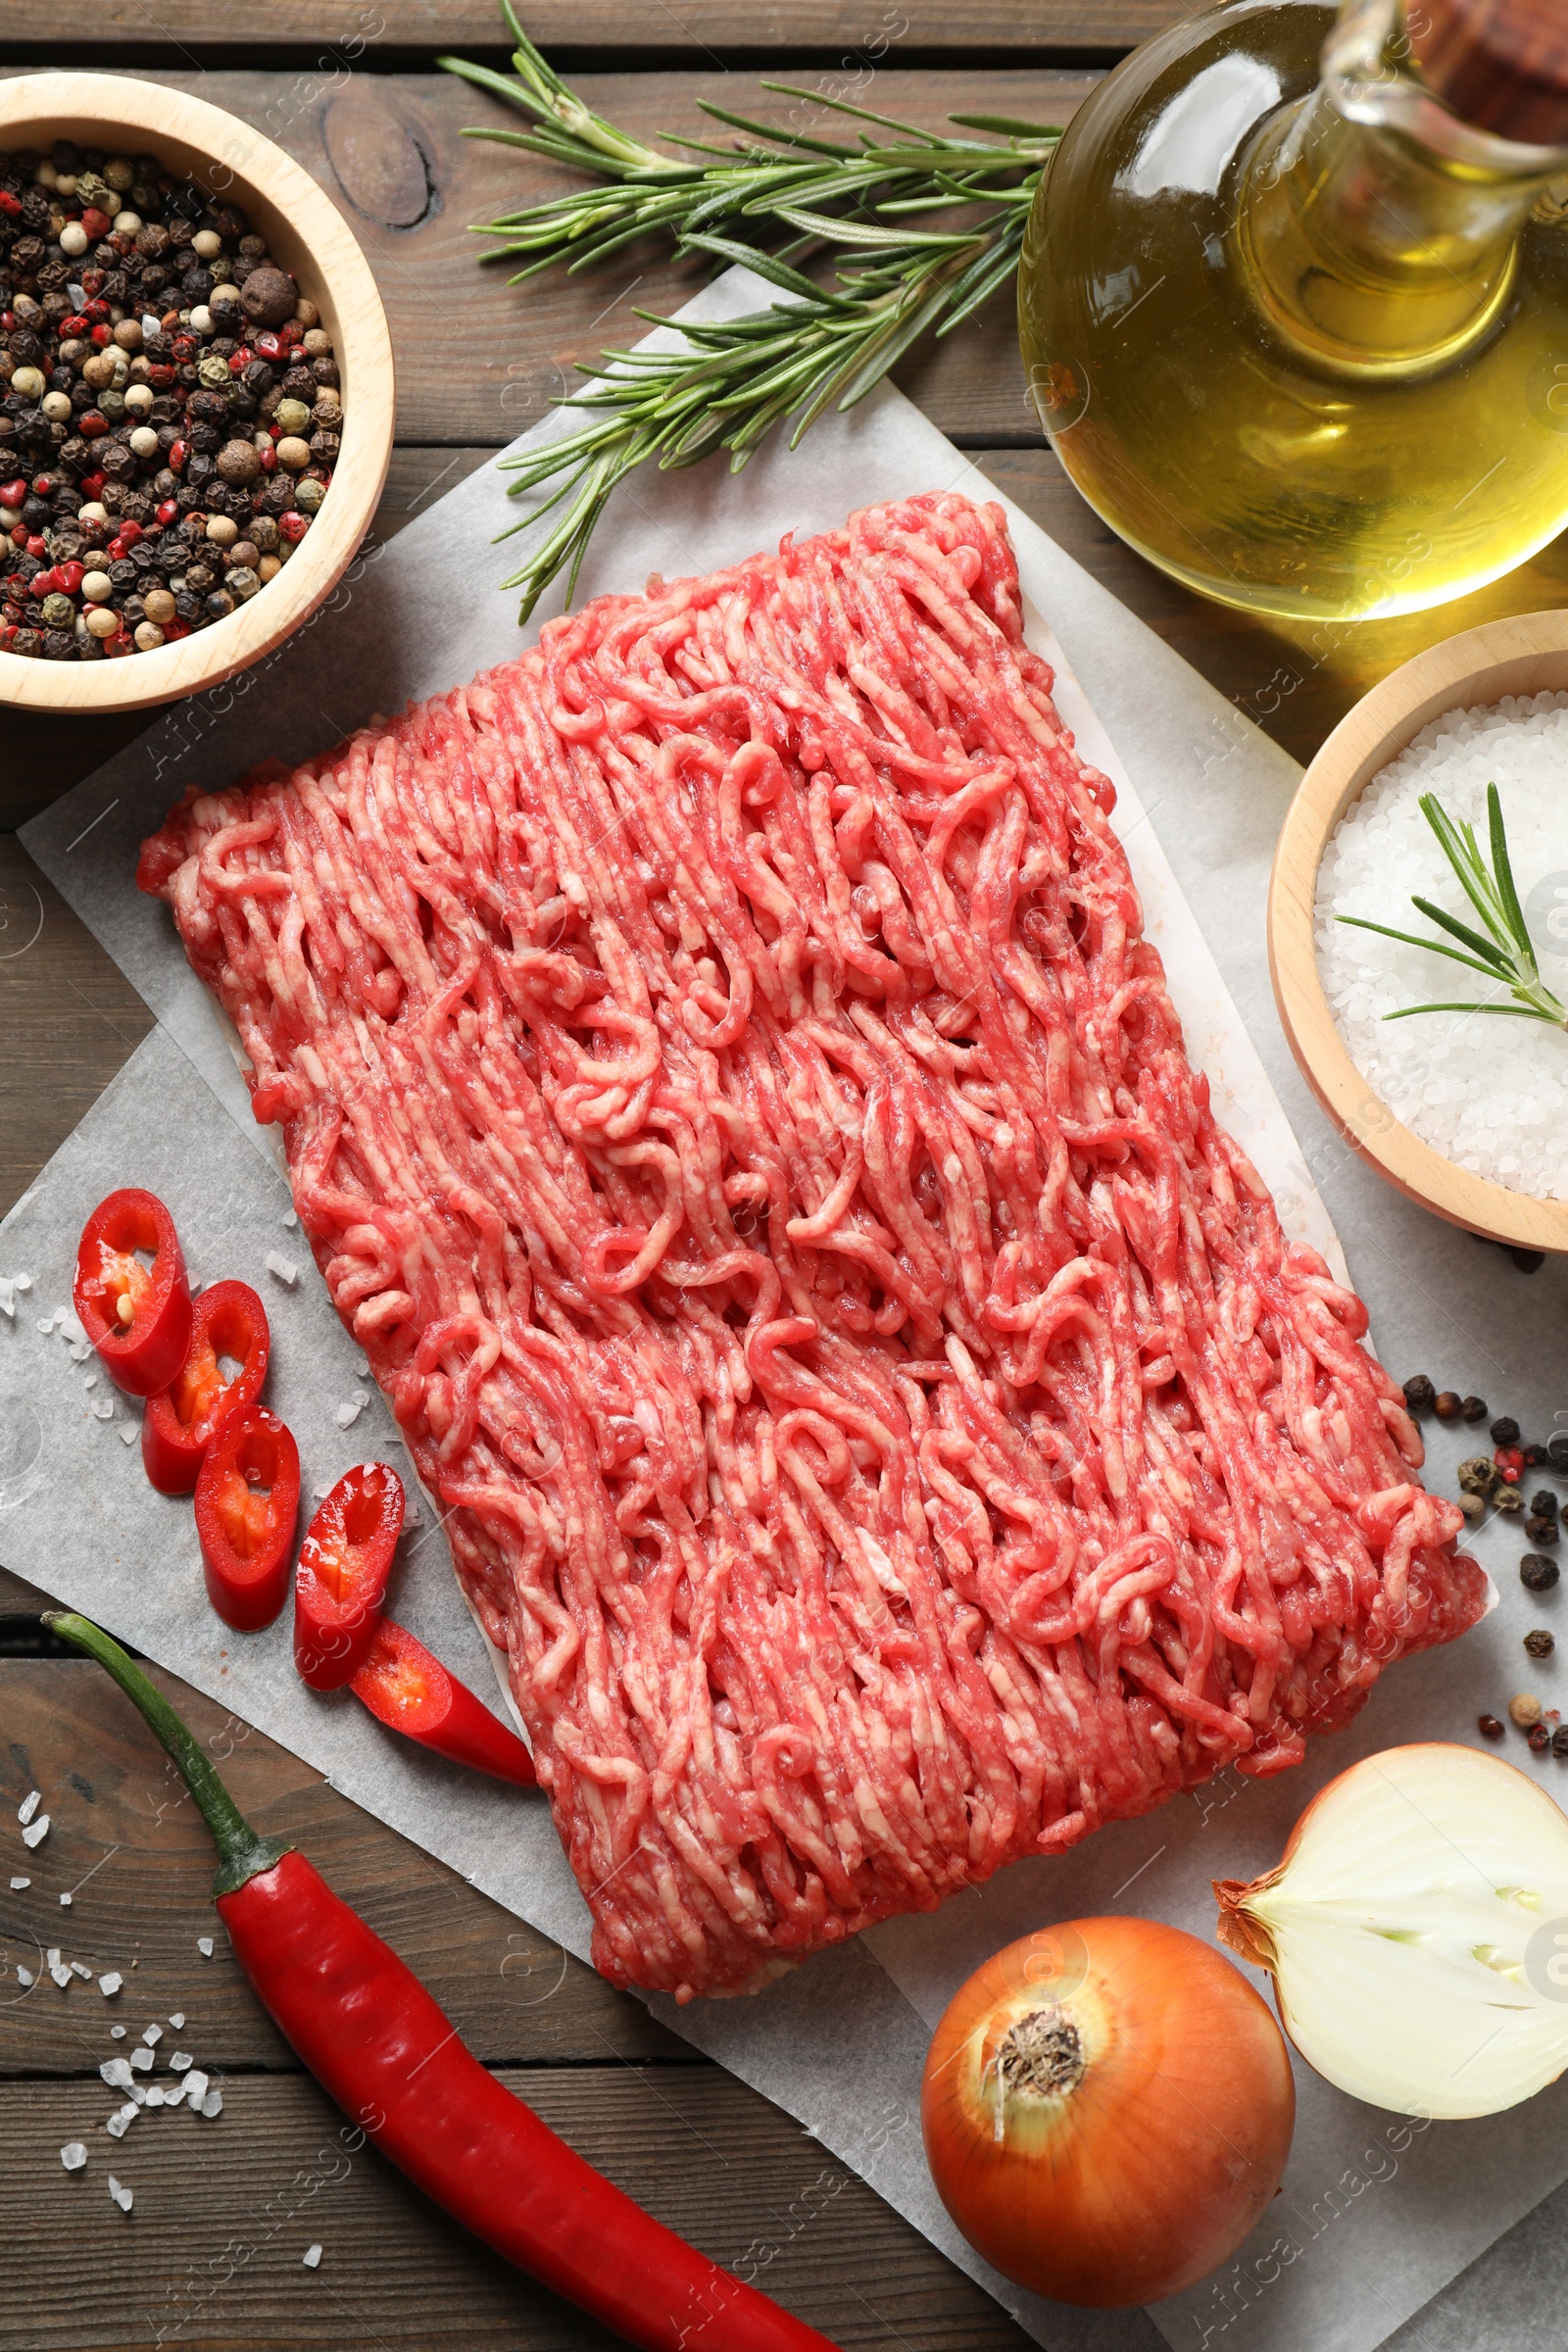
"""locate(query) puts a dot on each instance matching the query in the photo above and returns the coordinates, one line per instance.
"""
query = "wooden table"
(225, 2209)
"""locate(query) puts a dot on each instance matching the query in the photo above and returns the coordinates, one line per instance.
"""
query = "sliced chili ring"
(181, 1420)
(137, 1316)
(341, 1578)
(247, 1502)
(411, 1692)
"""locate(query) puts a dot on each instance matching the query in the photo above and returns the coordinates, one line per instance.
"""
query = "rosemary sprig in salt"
(1506, 953)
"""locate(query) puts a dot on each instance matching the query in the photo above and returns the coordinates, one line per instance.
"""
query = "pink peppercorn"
(37, 545)
(93, 426)
(1510, 1461)
(293, 524)
(12, 493)
(163, 515)
(267, 454)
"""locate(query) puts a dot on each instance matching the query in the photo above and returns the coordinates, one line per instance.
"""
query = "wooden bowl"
(304, 233)
(1524, 655)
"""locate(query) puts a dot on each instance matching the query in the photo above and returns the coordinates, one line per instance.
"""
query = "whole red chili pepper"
(247, 1500)
(340, 1580)
(137, 1316)
(379, 2045)
(411, 1691)
(181, 1420)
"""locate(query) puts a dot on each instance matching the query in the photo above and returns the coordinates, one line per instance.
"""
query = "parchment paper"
(1376, 2215)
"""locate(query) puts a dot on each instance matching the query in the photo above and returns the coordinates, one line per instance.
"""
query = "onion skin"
(1150, 2171)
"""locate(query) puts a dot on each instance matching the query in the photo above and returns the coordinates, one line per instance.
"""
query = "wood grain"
(225, 2209)
(354, 28)
(1524, 655)
(308, 237)
(68, 1020)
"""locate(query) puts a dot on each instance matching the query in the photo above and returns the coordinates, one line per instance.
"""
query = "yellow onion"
(1417, 1932)
(1108, 2108)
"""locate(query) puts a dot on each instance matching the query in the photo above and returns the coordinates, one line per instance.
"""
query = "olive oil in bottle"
(1298, 331)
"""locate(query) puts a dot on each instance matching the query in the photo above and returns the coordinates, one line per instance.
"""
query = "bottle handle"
(1502, 65)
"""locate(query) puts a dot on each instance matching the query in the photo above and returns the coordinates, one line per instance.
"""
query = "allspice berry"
(239, 462)
(268, 296)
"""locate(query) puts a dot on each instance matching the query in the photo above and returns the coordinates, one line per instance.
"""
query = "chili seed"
(1474, 1408)
(1505, 1432)
(1539, 1642)
(1537, 1573)
(1489, 1727)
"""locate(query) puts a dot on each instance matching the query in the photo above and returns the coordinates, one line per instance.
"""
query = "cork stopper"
(1502, 65)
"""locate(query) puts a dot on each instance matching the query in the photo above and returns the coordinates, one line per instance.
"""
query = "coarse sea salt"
(1489, 1091)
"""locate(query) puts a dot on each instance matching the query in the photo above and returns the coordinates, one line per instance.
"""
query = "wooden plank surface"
(360, 29)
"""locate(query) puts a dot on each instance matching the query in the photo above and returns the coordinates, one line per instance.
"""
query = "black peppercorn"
(1505, 1432)
(1539, 1642)
(1448, 1404)
(1474, 1408)
(1489, 1727)
(1560, 1741)
(1557, 1449)
(1539, 1738)
(1544, 1502)
(1537, 1573)
(1541, 1531)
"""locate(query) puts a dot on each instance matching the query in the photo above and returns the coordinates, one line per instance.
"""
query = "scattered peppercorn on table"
(270, 2225)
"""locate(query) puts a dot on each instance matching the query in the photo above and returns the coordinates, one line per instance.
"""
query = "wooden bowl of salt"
(1520, 656)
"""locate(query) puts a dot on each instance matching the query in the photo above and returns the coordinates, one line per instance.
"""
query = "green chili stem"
(241, 1853)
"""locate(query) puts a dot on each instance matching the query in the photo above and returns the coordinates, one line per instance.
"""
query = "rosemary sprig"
(731, 383)
(1504, 953)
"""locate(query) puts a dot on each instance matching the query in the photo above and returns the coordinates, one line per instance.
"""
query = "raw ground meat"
(732, 1103)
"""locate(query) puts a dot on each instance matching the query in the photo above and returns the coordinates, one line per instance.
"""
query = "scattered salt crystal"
(179, 2062)
(348, 1414)
(8, 1304)
(79, 1968)
(177, 2020)
(53, 1955)
(128, 1436)
(46, 1324)
(23, 1282)
(319, 1493)
(17, 1884)
(80, 1349)
(30, 1806)
(175, 2094)
(36, 1831)
(123, 2196)
(115, 2072)
(212, 2104)
(155, 2095)
(60, 1974)
(197, 2085)
(116, 2032)
(153, 2035)
(203, 1944)
(103, 1408)
(292, 1219)
(24, 1977)
(151, 325)
(283, 1269)
(139, 2094)
(65, 1902)
(120, 2122)
(110, 1983)
(362, 1369)
(311, 2258)
(91, 1381)
(73, 2155)
(142, 2058)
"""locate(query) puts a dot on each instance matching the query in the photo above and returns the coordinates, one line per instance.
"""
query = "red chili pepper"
(341, 1579)
(411, 1691)
(136, 1315)
(181, 1421)
(379, 2045)
(247, 1500)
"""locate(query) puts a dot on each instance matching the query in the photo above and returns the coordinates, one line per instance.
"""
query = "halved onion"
(1108, 2108)
(1417, 1932)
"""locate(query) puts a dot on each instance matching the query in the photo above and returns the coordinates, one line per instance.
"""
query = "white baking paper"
(1375, 2217)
